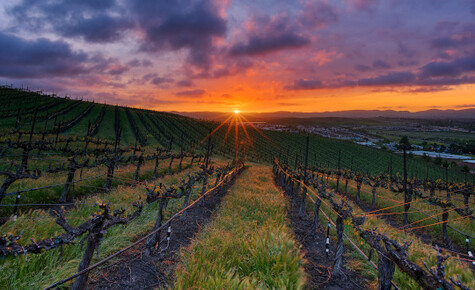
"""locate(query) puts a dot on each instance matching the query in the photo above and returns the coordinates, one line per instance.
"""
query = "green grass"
(248, 245)
(81, 127)
(106, 128)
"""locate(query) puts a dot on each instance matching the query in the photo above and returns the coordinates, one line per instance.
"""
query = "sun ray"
(214, 131)
(236, 139)
(246, 133)
(262, 134)
(230, 126)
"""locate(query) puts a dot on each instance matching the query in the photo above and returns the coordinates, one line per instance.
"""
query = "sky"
(255, 56)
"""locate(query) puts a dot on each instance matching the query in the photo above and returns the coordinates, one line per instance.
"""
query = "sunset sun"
(236, 111)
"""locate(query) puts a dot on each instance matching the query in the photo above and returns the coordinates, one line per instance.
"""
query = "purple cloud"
(191, 93)
(304, 84)
(393, 78)
(185, 83)
(39, 58)
(161, 80)
(318, 14)
(452, 69)
(264, 44)
(139, 63)
(404, 50)
(91, 20)
(270, 35)
(167, 25)
(362, 67)
(381, 64)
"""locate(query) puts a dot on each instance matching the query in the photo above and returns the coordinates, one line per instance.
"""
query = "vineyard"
(380, 217)
(88, 187)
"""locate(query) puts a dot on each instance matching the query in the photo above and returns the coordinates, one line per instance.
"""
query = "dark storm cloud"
(22, 58)
(91, 20)
(453, 41)
(446, 81)
(40, 58)
(265, 44)
(270, 35)
(100, 29)
(393, 78)
(304, 84)
(452, 69)
(179, 24)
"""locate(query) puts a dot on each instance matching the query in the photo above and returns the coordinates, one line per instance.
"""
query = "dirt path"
(318, 265)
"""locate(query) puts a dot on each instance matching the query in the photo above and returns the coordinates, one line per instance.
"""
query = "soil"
(319, 266)
(135, 270)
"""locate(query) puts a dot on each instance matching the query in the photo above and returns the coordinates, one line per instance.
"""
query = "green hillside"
(159, 129)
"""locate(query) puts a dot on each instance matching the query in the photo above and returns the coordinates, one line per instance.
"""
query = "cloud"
(118, 70)
(392, 78)
(100, 29)
(304, 84)
(94, 21)
(322, 57)
(318, 14)
(191, 93)
(39, 58)
(363, 4)
(175, 25)
(454, 40)
(452, 69)
(446, 81)
(161, 80)
(429, 89)
(381, 64)
(258, 45)
(465, 106)
(227, 96)
(287, 104)
(269, 35)
(185, 83)
(139, 63)
(221, 72)
(404, 50)
(362, 67)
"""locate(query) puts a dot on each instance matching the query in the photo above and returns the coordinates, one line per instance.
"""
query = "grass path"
(248, 245)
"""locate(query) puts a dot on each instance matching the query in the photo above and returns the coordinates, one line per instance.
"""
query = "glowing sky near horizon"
(260, 56)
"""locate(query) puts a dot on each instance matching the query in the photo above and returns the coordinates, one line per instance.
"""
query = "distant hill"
(428, 114)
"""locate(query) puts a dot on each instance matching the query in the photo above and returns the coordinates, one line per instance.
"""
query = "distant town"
(446, 142)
